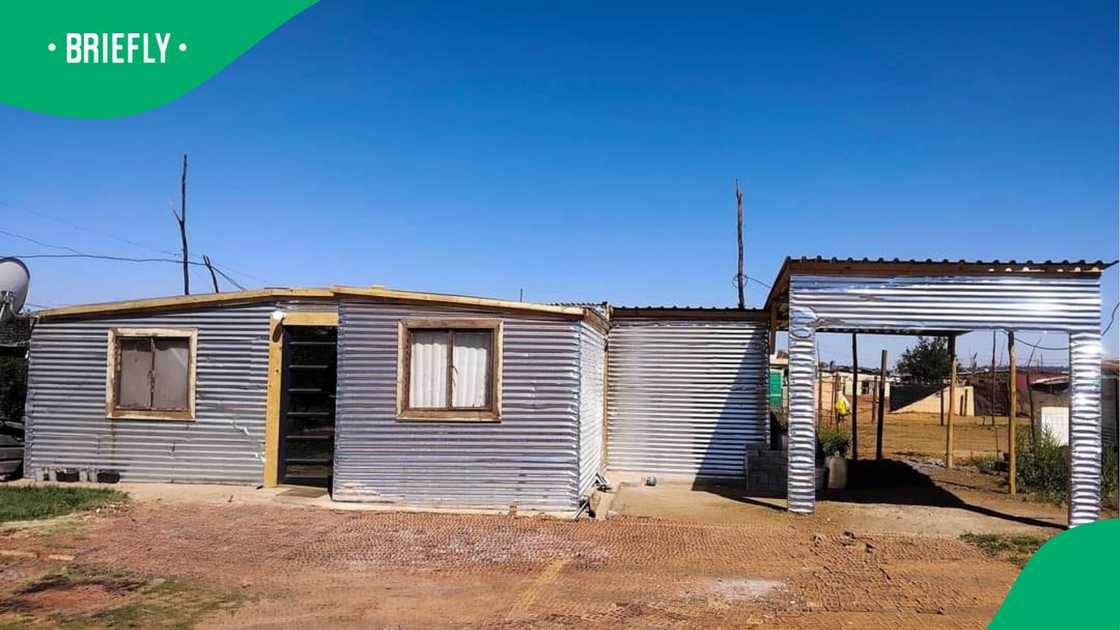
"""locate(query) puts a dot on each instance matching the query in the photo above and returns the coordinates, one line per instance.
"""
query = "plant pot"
(820, 478)
(837, 471)
(783, 442)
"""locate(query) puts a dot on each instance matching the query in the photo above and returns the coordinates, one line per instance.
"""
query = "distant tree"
(927, 362)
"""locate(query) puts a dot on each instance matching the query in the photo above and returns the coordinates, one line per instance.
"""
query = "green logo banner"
(115, 58)
(1071, 582)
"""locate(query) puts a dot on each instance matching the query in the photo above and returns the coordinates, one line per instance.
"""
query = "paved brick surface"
(366, 569)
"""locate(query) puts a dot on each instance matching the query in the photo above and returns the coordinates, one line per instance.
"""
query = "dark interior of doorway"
(307, 405)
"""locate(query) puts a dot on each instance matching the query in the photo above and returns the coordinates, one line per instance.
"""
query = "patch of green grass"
(21, 503)
(138, 601)
(1015, 548)
(987, 464)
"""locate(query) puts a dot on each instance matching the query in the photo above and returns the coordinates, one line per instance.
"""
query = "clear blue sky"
(588, 152)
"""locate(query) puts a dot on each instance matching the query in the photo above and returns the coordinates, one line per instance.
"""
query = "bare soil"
(677, 557)
(923, 434)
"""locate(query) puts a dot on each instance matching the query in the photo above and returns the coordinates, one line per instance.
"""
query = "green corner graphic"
(117, 58)
(1071, 582)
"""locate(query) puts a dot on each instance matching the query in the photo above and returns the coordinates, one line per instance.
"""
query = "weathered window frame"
(493, 413)
(116, 412)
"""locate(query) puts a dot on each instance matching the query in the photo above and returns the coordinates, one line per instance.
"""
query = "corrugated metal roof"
(913, 266)
(689, 312)
(915, 261)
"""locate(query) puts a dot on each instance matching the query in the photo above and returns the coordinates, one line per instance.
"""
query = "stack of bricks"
(765, 471)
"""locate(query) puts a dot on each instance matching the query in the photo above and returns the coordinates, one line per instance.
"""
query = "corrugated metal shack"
(687, 390)
(452, 401)
(541, 454)
(67, 425)
(253, 395)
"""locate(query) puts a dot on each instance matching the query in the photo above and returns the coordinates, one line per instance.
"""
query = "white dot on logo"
(51, 47)
(182, 48)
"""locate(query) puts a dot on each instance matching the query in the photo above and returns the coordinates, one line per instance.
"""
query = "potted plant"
(834, 445)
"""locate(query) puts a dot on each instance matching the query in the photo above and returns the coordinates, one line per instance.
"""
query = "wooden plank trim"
(112, 356)
(309, 318)
(272, 402)
(462, 300)
(180, 301)
(493, 414)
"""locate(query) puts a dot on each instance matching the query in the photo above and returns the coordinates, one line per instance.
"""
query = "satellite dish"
(14, 280)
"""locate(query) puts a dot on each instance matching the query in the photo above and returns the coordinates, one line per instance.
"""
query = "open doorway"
(307, 406)
(300, 416)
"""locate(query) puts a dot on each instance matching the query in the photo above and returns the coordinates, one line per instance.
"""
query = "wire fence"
(923, 434)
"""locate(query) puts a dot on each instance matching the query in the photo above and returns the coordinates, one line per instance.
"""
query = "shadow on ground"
(887, 482)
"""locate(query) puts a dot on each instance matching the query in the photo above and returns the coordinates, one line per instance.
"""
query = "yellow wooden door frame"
(275, 365)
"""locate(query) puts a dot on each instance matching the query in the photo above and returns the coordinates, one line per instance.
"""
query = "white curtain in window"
(470, 363)
(428, 374)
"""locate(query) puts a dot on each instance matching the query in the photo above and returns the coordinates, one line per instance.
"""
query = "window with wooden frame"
(450, 370)
(150, 374)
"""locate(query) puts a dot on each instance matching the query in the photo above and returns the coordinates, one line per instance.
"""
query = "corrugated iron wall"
(530, 458)
(67, 427)
(591, 376)
(685, 397)
(1021, 302)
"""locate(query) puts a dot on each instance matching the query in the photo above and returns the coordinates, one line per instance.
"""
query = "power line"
(40, 243)
(735, 280)
(224, 275)
(102, 233)
(77, 254)
(113, 258)
(1111, 321)
(83, 228)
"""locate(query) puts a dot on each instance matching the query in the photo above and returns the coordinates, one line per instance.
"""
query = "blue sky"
(588, 152)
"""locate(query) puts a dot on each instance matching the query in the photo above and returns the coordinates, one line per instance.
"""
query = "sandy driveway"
(302, 566)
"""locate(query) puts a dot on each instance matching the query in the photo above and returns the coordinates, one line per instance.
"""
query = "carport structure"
(944, 298)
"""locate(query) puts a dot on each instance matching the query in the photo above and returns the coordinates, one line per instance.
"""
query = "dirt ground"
(676, 556)
(923, 434)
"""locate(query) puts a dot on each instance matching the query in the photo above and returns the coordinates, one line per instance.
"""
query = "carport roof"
(779, 292)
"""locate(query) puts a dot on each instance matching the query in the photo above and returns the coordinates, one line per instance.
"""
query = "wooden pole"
(882, 407)
(855, 398)
(213, 278)
(1030, 395)
(941, 401)
(1011, 411)
(993, 377)
(739, 277)
(952, 400)
(182, 218)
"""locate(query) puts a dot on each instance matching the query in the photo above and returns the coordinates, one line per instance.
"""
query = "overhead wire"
(74, 253)
(118, 238)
